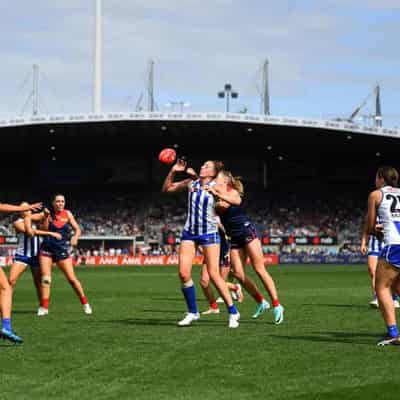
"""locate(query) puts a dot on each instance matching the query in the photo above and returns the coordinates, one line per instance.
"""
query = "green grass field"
(131, 347)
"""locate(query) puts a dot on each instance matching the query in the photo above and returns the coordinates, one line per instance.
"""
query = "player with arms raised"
(201, 229)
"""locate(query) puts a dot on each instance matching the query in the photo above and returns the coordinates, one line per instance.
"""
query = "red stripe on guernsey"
(60, 219)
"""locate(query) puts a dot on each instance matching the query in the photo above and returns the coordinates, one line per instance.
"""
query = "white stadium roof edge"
(333, 125)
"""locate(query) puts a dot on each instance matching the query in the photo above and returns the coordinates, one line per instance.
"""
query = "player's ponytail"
(234, 181)
(389, 175)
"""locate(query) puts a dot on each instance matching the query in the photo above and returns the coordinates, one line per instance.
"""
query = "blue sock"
(190, 297)
(395, 296)
(393, 331)
(7, 323)
(232, 309)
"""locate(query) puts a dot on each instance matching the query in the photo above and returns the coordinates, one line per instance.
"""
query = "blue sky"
(325, 56)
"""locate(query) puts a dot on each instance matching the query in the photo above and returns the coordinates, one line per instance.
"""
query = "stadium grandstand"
(306, 180)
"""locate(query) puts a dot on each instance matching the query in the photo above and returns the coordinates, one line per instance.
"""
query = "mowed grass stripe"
(131, 347)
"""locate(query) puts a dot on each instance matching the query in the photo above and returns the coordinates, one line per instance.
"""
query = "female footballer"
(385, 203)
(201, 229)
(5, 288)
(244, 240)
(27, 253)
(59, 220)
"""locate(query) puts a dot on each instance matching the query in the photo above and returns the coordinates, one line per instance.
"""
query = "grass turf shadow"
(335, 337)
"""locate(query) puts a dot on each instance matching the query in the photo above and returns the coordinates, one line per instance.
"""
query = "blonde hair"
(234, 181)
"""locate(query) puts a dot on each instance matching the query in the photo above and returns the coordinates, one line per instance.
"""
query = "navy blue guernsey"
(59, 224)
(234, 219)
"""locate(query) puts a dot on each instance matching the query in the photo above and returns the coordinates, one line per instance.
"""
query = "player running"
(59, 220)
(385, 203)
(372, 246)
(244, 242)
(201, 229)
(5, 288)
(27, 253)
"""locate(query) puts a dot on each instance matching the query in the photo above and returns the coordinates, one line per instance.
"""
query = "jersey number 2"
(394, 209)
(395, 200)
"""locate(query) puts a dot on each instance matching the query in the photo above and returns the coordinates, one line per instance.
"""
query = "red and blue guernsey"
(51, 247)
(237, 224)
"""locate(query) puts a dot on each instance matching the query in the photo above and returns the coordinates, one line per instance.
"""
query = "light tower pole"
(228, 93)
(150, 86)
(265, 89)
(378, 111)
(35, 90)
(97, 60)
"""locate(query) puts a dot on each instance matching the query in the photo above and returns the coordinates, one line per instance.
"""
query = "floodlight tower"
(265, 89)
(97, 60)
(228, 93)
(150, 86)
(378, 111)
(35, 90)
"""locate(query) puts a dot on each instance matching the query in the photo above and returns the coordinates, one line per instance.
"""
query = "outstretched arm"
(4, 207)
(169, 185)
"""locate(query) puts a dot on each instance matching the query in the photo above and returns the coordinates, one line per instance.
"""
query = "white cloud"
(198, 46)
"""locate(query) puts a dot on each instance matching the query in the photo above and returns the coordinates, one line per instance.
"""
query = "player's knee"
(184, 276)
(239, 276)
(73, 281)
(259, 269)
(46, 280)
(12, 281)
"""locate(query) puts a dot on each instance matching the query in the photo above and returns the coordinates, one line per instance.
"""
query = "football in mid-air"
(167, 156)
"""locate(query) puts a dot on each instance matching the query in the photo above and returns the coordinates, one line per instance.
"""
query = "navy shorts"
(391, 254)
(56, 253)
(202, 240)
(32, 262)
(247, 235)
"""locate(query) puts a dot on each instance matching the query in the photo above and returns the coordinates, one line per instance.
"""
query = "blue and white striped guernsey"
(201, 218)
(27, 246)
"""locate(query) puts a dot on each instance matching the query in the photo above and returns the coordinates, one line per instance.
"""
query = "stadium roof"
(267, 120)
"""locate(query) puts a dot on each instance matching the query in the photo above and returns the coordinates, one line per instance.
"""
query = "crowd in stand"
(159, 219)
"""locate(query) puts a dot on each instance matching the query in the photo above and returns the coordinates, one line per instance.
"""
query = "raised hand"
(180, 166)
(35, 206)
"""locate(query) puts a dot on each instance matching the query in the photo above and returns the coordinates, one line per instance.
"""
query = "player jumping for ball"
(201, 229)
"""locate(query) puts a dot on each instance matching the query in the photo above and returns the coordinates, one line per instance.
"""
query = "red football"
(167, 156)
